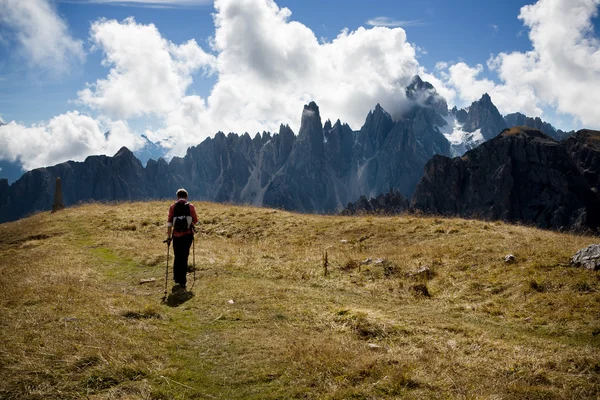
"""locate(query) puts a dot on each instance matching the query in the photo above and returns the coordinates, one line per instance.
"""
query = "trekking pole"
(168, 242)
(194, 258)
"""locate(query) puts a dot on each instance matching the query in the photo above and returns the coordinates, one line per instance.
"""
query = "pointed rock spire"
(311, 128)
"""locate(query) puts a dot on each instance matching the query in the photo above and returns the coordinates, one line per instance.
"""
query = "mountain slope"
(521, 175)
(78, 324)
(320, 170)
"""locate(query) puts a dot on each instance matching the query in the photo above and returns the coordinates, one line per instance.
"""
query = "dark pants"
(181, 249)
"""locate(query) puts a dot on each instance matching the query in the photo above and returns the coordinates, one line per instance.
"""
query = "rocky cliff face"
(584, 149)
(121, 177)
(303, 183)
(482, 115)
(521, 175)
(320, 170)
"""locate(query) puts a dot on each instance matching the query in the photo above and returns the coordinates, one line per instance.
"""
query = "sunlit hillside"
(270, 318)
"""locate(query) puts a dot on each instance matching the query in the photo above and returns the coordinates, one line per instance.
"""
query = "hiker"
(181, 221)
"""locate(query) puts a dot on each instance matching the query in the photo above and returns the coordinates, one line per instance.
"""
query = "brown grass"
(76, 323)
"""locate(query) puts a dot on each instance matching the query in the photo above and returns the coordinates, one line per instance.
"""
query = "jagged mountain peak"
(124, 152)
(285, 130)
(378, 112)
(220, 136)
(419, 84)
(485, 99)
(310, 119)
(315, 170)
(312, 106)
(425, 94)
(483, 116)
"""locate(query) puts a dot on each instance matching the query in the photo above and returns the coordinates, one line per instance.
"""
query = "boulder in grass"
(588, 258)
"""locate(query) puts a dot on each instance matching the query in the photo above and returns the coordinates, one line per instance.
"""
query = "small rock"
(423, 272)
(588, 258)
(231, 302)
(367, 261)
(509, 259)
(344, 241)
(70, 319)
(375, 347)
(148, 280)
(380, 261)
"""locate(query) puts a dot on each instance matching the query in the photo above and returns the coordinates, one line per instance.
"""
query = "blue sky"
(71, 70)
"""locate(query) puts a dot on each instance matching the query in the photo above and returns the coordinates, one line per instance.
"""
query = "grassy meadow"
(270, 319)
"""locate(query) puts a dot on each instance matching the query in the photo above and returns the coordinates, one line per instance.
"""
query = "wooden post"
(325, 264)
(58, 197)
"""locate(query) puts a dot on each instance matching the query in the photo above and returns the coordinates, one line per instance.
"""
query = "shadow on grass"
(176, 299)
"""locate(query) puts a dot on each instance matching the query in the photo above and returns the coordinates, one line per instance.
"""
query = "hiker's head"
(182, 194)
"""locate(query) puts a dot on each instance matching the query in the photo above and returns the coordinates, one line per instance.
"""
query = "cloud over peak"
(269, 67)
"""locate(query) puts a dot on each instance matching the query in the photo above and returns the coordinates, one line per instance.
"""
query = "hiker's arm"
(170, 222)
(194, 215)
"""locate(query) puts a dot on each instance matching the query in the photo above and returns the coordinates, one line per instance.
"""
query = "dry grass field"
(77, 324)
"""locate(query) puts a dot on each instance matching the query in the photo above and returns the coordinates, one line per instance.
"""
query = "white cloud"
(564, 66)
(393, 23)
(43, 36)
(70, 136)
(283, 66)
(149, 74)
(268, 67)
(507, 98)
(561, 72)
(441, 65)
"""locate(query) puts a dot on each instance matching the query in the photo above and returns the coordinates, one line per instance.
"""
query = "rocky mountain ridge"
(522, 175)
(322, 169)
